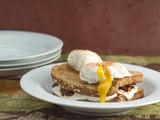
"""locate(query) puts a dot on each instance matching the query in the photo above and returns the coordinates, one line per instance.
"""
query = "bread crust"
(68, 78)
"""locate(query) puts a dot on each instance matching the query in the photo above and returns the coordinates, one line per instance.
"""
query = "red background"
(117, 27)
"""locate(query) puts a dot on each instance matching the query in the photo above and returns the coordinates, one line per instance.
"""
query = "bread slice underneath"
(118, 98)
(121, 98)
(68, 78)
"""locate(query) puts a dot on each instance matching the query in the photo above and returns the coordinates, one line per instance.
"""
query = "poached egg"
(79, 58)
(93, 70)
(103, 73)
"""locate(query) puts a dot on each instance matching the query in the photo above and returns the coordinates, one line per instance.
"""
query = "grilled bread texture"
(68, 78)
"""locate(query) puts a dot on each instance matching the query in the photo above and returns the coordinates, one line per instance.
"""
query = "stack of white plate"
(22, 51)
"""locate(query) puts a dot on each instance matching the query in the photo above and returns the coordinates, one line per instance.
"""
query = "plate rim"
(30, 62)
(20, 33)
(56, 57)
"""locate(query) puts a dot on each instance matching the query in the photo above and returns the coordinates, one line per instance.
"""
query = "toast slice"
(121, 98)
(70, 95)
(68, 78)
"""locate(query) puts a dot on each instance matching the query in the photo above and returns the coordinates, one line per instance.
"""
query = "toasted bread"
(68, 78)
(121, 98)
(73, 96)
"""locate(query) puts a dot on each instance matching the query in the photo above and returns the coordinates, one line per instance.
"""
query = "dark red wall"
(126, 27)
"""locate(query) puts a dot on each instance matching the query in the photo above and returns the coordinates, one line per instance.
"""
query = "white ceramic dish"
(21, 45)
(38, 83)
(17, 71)
(23, 63)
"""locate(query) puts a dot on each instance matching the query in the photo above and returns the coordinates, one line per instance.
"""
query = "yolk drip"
(105, 83)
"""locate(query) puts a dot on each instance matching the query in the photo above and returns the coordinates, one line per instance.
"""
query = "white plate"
(19, 45)
(17, 71)
(38, 83)
(24, 62)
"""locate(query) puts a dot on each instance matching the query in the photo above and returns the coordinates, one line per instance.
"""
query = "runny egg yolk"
(105, 82)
